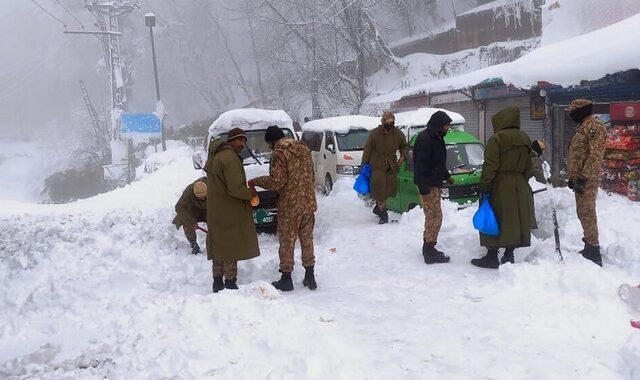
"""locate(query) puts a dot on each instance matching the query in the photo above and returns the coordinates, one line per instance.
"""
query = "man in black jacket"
(430, 157)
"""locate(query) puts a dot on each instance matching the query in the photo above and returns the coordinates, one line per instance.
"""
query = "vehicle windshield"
(353, 140)
(255, 142)
(465, 158)
(416, 129)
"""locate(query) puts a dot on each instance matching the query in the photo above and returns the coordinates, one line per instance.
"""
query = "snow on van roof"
(342, 124)
(250, 119)
(422, 115)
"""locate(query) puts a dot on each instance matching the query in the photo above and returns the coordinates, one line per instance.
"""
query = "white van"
(256, 154)
(254, 122)
(336, 145)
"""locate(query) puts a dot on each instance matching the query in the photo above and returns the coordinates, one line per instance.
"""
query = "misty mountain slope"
(106, 287)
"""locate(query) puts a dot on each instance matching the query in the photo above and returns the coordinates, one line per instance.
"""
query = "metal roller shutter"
(534, 128)
(468, 110)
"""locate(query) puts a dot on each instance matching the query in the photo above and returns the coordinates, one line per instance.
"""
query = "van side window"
(329, 140)
(313, 140)
(410, 161)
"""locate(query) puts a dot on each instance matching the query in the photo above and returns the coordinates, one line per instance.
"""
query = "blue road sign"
(140, 125)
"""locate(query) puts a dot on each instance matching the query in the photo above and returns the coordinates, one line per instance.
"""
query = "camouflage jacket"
(189, 207)
(291, 174)
(586, 150)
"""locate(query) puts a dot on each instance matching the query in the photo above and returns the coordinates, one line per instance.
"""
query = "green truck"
(465, 155)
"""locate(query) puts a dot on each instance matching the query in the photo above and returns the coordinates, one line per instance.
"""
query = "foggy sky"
(42, 66)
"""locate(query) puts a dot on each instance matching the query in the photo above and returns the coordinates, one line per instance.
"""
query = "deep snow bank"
(105, 287)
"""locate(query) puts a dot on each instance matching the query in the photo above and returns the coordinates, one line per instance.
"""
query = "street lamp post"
(150, 21)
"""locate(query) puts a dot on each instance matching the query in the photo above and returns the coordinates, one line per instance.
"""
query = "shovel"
(556, 228)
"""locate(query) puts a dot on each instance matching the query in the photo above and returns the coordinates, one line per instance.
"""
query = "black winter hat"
(439, 120)
(273, 134)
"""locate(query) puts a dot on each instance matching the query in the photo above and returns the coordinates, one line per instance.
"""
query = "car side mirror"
(331, 148)
(197, 161)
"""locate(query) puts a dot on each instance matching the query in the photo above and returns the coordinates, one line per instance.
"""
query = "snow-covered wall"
(562, 19)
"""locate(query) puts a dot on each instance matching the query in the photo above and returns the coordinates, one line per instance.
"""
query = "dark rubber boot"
(384, 217)
(489, 261)
(376, 210)
(195, 248)
(309, 279)
(284, 284)
(230, 283)
(436, 249)
(218, 284)
(432, 255)
(585, 247)
(508, 256)
(592, 253)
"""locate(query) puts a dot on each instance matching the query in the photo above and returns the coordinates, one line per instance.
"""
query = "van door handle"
(324, 156)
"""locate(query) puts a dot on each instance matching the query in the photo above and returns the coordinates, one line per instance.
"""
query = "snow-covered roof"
(421, 116)
(342, 124)
(250, 119)
(586, 57)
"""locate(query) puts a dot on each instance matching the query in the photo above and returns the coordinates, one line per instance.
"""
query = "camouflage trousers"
(290, 229)
(586, 210)
(228, 269)
(431, 205)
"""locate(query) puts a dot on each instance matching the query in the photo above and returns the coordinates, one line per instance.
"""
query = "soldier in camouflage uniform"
(191, 208)
(584, 163)
(291, 174)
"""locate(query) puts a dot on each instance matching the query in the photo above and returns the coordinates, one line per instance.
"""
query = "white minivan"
(336, 145)
(256, 154)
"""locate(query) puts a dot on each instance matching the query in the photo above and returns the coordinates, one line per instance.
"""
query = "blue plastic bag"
(362, 185)
(485, 220)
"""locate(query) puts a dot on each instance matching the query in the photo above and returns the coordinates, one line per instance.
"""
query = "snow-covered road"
(106, 287)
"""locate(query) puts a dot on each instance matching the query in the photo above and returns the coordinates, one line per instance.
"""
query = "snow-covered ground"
(106, 288)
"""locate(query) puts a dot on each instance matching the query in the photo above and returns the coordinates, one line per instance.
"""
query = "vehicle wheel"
(328, 184)
(411, 206)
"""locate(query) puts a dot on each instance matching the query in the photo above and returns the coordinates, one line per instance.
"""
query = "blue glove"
(484, 195)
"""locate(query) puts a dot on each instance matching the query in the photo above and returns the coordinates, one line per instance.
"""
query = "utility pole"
(316, 113)
(150, 21)
(107, 13)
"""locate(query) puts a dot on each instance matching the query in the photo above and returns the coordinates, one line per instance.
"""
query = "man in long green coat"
(504, 181)
(380, 152)
(232, 232)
